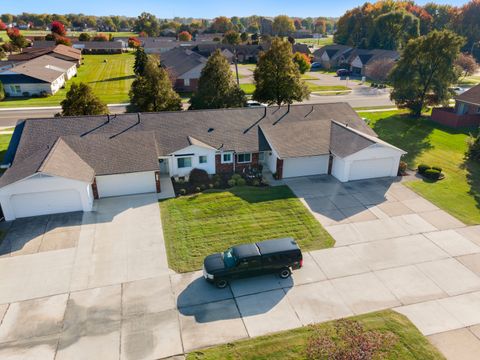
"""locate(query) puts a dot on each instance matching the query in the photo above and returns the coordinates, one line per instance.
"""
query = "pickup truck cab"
(279, 256)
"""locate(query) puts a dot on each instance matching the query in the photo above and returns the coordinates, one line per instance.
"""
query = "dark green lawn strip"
(198, 225)
(290, 345)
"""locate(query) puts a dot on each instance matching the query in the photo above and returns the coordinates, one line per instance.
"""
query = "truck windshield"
(229, 259)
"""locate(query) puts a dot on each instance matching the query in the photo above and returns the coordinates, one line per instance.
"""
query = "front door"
(164, 168)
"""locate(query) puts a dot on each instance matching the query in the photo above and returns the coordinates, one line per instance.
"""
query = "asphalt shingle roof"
(180, 61)
(471, 96)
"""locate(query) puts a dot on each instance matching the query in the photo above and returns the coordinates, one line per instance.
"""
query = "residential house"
(301, 48)
(40, 76)
(360, 59)
(332, 56)
(245, 53)
(185, 67)
(160, 45)
(466, 112)
(100, 47)
(62, 164)
(60, 51)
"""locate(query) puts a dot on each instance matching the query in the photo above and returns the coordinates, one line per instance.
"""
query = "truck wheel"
(221, 284)
(285, 273)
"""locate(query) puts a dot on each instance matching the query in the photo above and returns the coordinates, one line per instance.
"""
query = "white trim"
(184, 157)
(200, 159)
(226, 153)
(244, 162)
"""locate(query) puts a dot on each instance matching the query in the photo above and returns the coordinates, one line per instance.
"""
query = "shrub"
(422, 168)
(197, 189)
(210, 186)
(437, 168)
(473, 152)
(203, 187)
(256, 182)
(216, 184)
(183, 192)
(236, 177)
(432, 174)
(241, 182)
(198, 177)
(231, 182)
(402, 168)
(348, 339)
(216, 178)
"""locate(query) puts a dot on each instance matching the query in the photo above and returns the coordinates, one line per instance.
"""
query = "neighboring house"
(185, 67)
(301, 48)
(359, 59)
(332, 56)
(42, 75)
(100, 47)
(60, 51)
(245, 53)
(160, 45)
(62, 164)
(466, 112)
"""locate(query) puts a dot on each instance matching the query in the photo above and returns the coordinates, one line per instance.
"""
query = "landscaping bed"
(198, 225)
(409, 343)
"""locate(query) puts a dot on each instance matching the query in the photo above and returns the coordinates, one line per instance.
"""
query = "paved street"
(97, 285)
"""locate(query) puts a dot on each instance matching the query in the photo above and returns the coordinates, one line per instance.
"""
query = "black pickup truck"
(269, 256)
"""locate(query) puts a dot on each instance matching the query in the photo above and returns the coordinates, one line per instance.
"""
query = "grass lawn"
(77, 33)
(248, 88)
(4, 141)
(110, 80)
(289, 345)
(470, 80)
(317, 42)
(427, 142)
(198, 225)
(308, 76)
(314, 87)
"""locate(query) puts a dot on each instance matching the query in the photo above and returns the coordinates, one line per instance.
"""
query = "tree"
(394, 29)
(283, 25)
(302, 61)
(184, 36)
(134, 42)
(80, 100)
(2, 25)
(100, 37)
(221, 24)
(84, 37)
(320, 26)
(216, 86)
(63, 40)
(152, 90)
(379, 69)
(244, 37)
(17, 40)
(425, 71)
(2, 92)
(277, 77)
(58, 28)
(141, 59)
(466, 65)
(298, 24)
(147, 23)
(232, 37)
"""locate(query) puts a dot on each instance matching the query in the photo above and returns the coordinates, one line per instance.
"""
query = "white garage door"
(48, 202)
(126, 184)
(374, 168)
(304, 166)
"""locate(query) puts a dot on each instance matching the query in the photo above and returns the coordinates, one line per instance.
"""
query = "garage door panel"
(126, 184)
(48, 202)
(372, 168)
(305, 166)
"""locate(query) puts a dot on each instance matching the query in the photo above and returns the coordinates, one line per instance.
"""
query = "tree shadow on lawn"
(118, 78)
(407, 133)
(473, 179)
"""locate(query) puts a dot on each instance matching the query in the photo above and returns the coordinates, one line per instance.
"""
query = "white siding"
(126, 184)
(338, 169)
(41, 195)
(305, 166)
(194, 73)
(271, 161)
(193, 151)
(357, 63)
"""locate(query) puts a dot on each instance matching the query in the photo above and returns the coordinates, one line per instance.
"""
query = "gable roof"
(98, 45)
(68, 51)
(133, 142)
(37, 51)
(180, 61)
(471, 96)
(50, 62)
(332, 50)
(38, 69)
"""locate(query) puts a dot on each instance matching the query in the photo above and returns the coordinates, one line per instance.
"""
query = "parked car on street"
(343, 72)
(279, 256)
(315, 66)
(458, 90)
(253, 103)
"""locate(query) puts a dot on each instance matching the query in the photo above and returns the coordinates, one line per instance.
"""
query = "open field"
(198, 225)
(77, 33)
(317, 42)
(470, 80)
(432, 144)
(289, 345)
(110, 76)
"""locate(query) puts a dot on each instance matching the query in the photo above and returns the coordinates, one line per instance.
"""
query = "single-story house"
(60, 51)
(245, 53)
(185, 68)
(42, 75)
(100, 47)
(62, 164)
(301, 48)
(332, 56)
(161, 45)
(466, 112)
(359, 59)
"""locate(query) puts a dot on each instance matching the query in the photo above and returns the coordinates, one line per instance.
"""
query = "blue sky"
(190, 8)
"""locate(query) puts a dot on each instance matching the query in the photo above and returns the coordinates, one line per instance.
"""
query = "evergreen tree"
(277, 77)
(2, 92)
(152, 91)
(216, 86)
(81, 100)
(141, 59)
(425, 71)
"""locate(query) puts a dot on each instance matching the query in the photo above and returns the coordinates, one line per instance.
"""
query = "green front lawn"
(290, 345)
(427, 142)
(248, 88)
(110, 76)
(4, 141)
(317, 42)
(198, 225)
(316, 88)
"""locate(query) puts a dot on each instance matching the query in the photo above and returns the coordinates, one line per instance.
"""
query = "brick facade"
(279, 169)
(448, 117)
(239, 167)
(179, 85)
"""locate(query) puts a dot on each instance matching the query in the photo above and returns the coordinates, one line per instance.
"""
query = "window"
(227, 158)
(186, 82)
(185, 162)
(244, 158)
(15, 89)
(202, 159)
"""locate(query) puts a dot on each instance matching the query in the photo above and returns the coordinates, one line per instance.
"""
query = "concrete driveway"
(111, 295)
